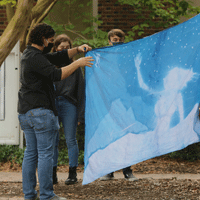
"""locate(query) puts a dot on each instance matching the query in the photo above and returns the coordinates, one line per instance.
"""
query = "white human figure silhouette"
(170, 99)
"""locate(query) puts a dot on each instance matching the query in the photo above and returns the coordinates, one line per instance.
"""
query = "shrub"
(14, 154)
(11, 153)
(190, 153)
(81, 157)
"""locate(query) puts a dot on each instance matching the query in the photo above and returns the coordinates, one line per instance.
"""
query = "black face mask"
(48, 48)
(116, 43)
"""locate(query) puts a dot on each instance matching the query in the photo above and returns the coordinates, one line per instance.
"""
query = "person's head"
(42, 35)
(62, 42)
(116, 36)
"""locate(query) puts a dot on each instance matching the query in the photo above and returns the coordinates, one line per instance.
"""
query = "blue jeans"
(67, 114)
(40, 127)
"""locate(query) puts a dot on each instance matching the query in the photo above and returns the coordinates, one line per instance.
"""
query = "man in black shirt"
(36, 107)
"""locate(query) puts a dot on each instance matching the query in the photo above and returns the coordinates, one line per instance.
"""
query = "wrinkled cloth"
(142, 99)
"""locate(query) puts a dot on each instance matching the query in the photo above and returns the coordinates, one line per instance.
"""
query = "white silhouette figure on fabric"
(170, 99)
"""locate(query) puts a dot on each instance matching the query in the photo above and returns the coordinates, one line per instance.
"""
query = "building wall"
(112, 14)
(3, 19)
(115, 15)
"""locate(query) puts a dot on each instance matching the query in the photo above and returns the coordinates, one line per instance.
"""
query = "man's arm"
(65, 55)
(80, 49)
(58, 58)
(81, 62)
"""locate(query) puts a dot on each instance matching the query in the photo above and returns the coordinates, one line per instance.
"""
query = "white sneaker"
(129, 176)
(58, 198)
(107, 177)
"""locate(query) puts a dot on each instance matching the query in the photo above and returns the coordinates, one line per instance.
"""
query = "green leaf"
(4, 2)
(87, 30)
(140, 33)
(184, 5)
(144, 25)
(136, 27)
(81, 6)
(67, 2)
(63, 9)
(89, 3)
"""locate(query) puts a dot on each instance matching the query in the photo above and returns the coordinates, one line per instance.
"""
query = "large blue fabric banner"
(142, 99)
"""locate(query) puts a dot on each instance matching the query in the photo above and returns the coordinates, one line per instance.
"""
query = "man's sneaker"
(58, 198)
(129, 176)
(107, 177)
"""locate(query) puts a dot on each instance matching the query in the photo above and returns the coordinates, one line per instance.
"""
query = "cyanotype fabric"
(142, 99)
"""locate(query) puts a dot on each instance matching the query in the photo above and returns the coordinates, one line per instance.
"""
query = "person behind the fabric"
(36, 107)
(116, 37)
(70, 98)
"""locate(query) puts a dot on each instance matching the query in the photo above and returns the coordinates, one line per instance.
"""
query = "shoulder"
(39, 58)
(32, 54)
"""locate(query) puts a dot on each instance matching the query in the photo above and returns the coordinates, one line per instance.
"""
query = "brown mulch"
(147, 189)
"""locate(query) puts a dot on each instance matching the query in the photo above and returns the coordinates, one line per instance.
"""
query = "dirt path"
(147, 189)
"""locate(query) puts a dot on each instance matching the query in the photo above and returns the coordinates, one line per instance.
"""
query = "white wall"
(10, 132)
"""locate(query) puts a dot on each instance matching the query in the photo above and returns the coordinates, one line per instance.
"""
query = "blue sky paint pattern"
(142, 99)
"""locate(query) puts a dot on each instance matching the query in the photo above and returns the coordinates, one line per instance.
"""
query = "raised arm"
(64, 56)
(138, 60)
(80, 49)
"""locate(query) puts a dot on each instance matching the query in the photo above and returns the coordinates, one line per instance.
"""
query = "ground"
(147, 189)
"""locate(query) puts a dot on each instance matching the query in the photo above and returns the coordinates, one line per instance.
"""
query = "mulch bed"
(147, 189)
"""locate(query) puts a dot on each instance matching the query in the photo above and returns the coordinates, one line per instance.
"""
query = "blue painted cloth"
(142, 99)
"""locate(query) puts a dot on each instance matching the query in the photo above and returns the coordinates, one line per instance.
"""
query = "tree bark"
(34, 23)
(9, 11)
(17, 27)
(40, 7)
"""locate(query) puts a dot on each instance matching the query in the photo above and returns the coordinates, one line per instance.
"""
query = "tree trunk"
(24, 39)
(9, 11)
(17, 27)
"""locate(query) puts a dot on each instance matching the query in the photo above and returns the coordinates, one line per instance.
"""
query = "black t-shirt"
(37, 77)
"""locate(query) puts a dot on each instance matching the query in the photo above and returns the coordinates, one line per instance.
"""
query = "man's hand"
(84, 61)
(81, 62)
(80, 49)
(84, 48)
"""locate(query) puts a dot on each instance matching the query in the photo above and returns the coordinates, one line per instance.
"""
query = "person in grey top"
(70, 104)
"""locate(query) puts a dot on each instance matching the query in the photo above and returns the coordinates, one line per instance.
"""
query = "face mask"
(116, 43)
(48, 48)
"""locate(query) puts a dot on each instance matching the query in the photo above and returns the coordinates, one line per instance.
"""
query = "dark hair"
(117, 32)
(59, 39)
(38, 32)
